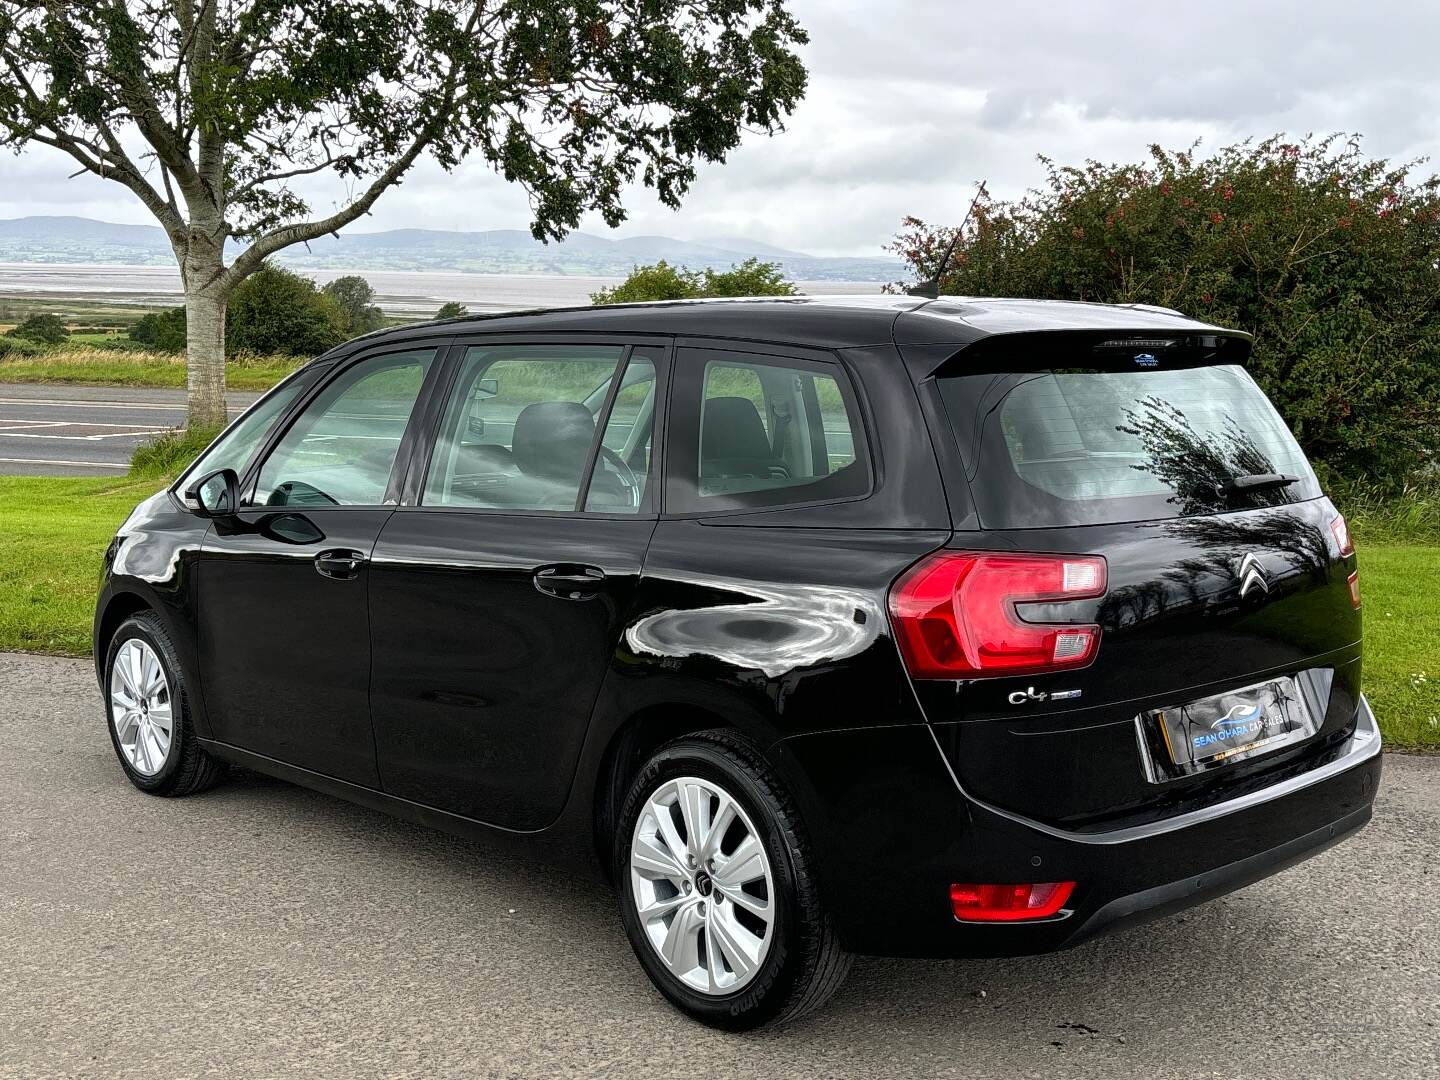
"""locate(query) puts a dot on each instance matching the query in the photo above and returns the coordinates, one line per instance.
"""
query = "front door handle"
(339, 563)
(570, 582)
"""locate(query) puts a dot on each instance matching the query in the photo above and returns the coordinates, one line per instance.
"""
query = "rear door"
(499, 591)
(1229, 629)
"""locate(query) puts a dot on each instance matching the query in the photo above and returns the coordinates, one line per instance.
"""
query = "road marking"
(8, 421)
(80, 438)
(50, 403)
(56, 461)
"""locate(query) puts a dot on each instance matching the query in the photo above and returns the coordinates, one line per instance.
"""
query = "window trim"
(413, 486)
(332, 371)
(688, 388)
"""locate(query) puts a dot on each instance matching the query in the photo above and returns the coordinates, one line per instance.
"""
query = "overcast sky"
(911, 101)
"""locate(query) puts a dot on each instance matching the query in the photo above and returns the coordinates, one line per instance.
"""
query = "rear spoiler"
(1080, 350)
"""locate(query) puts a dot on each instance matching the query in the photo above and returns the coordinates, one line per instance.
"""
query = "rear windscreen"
(1078, 446)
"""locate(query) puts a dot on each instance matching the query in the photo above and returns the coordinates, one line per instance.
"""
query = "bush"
(277, 311)
(44, 329)
(1328, 257)
(356, 299)
(451, 310)
(163, 330)
(665, 282)
(14, 348)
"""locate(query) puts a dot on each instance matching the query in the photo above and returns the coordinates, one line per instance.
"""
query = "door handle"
(570, 582)
(339, 564)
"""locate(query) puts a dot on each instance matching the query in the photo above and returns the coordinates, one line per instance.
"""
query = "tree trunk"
(205, 359)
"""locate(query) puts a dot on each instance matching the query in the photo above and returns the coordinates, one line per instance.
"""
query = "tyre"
(717, 887)
(148, 714)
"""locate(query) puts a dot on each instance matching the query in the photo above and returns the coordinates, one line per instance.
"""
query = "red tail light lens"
(1343, 540)
(961, 615)
(1008, 903)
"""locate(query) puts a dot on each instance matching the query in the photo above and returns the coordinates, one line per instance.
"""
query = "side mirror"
(215, 495)
(487, 388)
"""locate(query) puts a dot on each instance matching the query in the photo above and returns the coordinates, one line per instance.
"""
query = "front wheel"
(717, 887)
(148, 708)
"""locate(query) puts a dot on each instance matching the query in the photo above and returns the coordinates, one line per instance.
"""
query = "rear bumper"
(894, 829)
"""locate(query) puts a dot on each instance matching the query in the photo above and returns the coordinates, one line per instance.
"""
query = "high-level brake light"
(963, 615)
(1009, 903)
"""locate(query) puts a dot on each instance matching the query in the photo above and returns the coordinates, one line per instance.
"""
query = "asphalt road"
(263, 930)
(56, 430)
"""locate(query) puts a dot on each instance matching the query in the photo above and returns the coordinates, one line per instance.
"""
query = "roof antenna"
(930, 288)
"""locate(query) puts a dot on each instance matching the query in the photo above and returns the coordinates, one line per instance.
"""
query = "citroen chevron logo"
(1251, 575)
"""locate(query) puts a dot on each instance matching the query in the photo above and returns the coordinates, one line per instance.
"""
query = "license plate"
(1230, 727)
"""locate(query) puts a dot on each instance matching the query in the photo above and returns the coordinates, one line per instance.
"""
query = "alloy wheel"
(702, 885)
(141, 709)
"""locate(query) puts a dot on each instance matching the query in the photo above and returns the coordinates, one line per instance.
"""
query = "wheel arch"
(119, 607)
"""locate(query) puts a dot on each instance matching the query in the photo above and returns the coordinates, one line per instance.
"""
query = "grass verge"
(90, 366)
(55, 530)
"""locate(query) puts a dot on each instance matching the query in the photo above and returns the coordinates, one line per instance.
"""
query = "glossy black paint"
(438, 682)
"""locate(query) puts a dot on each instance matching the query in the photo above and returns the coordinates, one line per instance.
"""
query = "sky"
(911, 101)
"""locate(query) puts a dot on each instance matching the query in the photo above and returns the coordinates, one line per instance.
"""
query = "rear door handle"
(570, 582)
(339, 563)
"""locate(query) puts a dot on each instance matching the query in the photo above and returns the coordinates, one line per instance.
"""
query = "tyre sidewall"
(767, 993)
(147, 628)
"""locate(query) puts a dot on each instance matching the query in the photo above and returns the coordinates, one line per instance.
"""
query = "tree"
(162, 330)
(279, 311)
(42, 329)
(238, 107)
(355, 297)
(451, 310)
(1330, 258)
(661, 281)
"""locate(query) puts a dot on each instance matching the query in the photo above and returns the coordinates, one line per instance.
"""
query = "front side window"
(520, 429)
(233, 449)
(763, 432)
(341, 449)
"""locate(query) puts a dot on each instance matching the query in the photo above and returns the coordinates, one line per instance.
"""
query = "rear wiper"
(1268, 481)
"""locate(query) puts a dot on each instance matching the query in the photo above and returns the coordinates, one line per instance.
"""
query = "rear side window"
(1071, 446)
(755, 431)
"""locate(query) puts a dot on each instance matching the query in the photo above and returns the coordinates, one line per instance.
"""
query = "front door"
(284, 631)
(496, 602)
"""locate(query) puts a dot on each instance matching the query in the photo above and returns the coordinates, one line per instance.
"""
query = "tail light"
(1343, 540)
(961, 615)
(1008, 903)
(1345, 544)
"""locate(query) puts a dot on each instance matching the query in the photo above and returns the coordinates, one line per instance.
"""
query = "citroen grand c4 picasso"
(821, 627)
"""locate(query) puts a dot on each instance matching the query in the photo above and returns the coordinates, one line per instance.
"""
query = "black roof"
(835, 322)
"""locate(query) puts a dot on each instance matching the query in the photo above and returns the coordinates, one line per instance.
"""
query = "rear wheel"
(148, 711)
(717, 887)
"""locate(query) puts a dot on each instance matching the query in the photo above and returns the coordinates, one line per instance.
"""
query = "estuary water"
(397, 292)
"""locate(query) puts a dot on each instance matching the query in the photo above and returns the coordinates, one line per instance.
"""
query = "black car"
(947, 628)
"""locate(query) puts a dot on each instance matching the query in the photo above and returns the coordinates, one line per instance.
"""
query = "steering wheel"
(625, 475)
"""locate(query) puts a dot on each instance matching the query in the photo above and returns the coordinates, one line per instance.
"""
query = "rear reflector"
(1354, 582)
(1008, 903)
(962, 615)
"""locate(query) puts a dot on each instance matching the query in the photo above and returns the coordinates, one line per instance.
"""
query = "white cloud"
(911, 101)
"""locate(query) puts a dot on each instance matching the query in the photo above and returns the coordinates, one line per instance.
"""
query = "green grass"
(54, 532)
(1400, 588)
(55, 529)
(90, 365)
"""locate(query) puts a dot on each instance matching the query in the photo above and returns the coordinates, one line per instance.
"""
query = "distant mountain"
(498, 251)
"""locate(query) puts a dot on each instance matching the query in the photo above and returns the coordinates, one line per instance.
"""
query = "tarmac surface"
(58, 430)
(261, 929)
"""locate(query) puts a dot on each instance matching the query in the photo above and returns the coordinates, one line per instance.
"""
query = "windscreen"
(1078, 446)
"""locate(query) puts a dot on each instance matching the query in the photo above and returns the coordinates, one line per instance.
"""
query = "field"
(88, 365)
(56, 530)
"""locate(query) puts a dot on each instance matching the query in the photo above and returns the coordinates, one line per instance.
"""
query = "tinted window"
(1065, 447)
(233, 449)
(341, 449)
(520, 426)
(754, 431)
